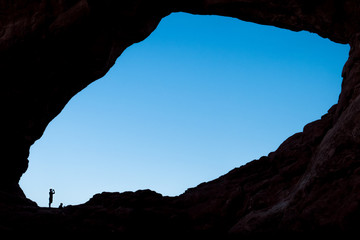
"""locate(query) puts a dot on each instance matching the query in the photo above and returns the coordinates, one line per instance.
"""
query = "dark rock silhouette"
(50, 50)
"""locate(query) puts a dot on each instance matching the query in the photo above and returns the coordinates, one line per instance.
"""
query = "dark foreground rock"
(50, 50)
(135, 215)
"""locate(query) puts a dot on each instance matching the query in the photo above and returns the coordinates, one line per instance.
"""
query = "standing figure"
(51, 193)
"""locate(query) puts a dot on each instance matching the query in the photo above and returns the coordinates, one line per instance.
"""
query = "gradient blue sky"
(199, 97)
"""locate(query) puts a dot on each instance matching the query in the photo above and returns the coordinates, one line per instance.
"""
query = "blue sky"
(199, 97)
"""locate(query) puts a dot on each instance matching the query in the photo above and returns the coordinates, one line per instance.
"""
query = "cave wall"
(52, 49)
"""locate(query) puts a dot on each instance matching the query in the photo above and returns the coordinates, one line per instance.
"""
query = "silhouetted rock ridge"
(50, 50)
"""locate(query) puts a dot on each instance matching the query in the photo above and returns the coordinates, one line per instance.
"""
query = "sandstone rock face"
(50, 50)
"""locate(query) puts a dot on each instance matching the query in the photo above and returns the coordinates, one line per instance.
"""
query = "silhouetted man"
(51, 193)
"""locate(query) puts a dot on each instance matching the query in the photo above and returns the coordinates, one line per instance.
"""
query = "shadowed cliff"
(51, 50)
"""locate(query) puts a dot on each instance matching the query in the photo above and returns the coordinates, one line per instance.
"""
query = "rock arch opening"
(183, 110)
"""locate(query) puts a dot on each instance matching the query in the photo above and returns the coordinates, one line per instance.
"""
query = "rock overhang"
(49, 51)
